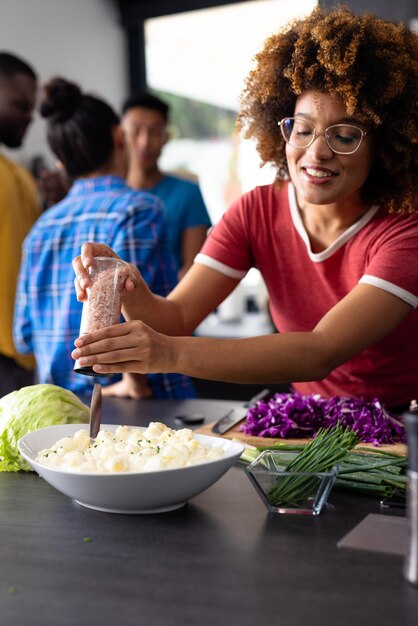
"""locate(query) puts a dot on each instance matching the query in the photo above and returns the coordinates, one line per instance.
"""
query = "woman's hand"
(82, 263)
(131, 386)
(128, 347)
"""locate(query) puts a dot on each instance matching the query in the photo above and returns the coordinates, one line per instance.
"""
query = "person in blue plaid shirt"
(84, 133)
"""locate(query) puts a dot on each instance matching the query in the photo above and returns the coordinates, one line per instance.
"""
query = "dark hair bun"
(60, 99)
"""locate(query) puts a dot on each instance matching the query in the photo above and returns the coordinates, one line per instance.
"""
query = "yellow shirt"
(19, 209)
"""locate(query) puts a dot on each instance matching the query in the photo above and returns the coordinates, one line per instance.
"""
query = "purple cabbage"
(293, 415)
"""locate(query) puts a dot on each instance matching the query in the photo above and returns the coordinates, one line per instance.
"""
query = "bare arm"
(197, 295)
(361, 319)
(192, 240)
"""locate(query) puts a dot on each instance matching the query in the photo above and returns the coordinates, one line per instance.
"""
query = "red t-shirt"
(263, 229)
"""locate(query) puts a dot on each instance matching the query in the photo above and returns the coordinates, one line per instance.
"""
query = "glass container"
(104, 299)
(285, 491)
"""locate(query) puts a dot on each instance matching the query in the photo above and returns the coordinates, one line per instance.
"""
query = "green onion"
(365, 470)
(375, 490)
(250, 454)
(381, 452)
(328, 448)
(283, 446)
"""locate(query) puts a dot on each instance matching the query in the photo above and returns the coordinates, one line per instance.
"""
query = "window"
(197, 61)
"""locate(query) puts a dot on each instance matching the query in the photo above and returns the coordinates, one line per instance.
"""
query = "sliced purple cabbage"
(293, 415)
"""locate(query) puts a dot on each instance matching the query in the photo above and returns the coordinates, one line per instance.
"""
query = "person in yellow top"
(19, 209)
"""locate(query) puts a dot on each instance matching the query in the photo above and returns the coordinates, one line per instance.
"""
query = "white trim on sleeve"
(407, 296)
(204, 259)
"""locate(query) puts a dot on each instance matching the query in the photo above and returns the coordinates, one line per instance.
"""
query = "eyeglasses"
(340, 138)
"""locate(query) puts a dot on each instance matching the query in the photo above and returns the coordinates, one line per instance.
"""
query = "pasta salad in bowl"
(128, 469)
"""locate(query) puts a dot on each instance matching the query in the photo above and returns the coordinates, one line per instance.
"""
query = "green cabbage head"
(31, 408)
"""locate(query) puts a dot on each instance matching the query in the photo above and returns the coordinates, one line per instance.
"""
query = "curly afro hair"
(371, 63)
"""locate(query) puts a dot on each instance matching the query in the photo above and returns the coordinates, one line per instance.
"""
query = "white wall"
(81, 40)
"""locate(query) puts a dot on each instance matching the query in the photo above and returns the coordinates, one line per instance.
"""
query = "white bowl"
(129, 492)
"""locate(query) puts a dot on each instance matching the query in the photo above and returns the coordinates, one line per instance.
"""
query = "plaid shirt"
(48, 315)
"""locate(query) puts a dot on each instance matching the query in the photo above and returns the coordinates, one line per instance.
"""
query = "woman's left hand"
(81, 263)
(128, 347)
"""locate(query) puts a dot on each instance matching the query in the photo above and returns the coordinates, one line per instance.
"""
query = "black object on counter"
(235, 416)
(190, 419)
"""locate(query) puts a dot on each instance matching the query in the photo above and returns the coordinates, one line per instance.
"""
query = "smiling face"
(17, 101)
(320, 176)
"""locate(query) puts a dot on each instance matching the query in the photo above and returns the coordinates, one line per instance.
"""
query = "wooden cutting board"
(234, 433)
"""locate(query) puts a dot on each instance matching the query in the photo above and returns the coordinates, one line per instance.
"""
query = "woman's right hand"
(128, 347)
(82, 263)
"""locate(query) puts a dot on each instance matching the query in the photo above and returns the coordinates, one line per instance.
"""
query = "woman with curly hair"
(331, 104)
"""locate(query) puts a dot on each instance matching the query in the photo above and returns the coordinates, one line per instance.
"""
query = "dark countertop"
(220, 560)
